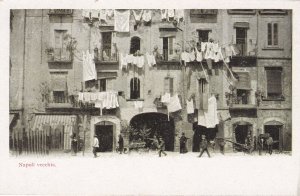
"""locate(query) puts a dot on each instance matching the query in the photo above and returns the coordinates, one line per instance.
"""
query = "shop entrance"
(199, 130)
(156, 124)
(104, 133)
(274, 131)
(241, 133)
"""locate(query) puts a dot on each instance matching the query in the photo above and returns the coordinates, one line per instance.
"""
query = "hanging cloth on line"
(122, 20)
(147, 15)
(137, 15)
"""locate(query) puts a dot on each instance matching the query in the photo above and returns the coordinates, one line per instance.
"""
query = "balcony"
(240, 100)
(168, 57)
(106, 57)
(59, 55)
(244, 58)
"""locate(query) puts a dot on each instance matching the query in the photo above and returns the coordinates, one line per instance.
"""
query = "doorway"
(274, 131)
(241, 133)
(199, 130)
(104, 134)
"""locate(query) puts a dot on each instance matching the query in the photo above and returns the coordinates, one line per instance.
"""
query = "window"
(274, 83)
(60, 52)
(242, 11)
(241, 40)
(59, 87)
(203, 35)
(102, 85)
(169, 85)
(106, 46)
(59, 97)
(203, 16)
(134, 88)
(272, 34)
(202, 86)
(242, 96)
(60, 12)
(168, 47)
(135, 45)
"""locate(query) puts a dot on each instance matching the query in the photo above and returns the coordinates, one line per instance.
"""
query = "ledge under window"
(273, 99)
(272, 48)
(134, 99)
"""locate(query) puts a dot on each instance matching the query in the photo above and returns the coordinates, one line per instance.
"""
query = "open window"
(60, 51)
(135, 45)
(241, 37)
(168, 48)
(243, 89)
(134, 88)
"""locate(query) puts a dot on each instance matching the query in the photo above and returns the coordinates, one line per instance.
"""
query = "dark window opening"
(241, 133)
(275, 133)
(106, 46)
(242, 96)
(241, 40)
(134, 88)
(102, 85)
(168, 47)
(202, 86)
(59, 97)
(135, 45)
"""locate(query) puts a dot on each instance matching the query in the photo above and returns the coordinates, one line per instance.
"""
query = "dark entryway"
(105, 136)
(199, 130)
(241, 133)
(275, 133)
(158, 124)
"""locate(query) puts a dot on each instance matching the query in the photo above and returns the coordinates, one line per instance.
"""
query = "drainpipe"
(23, 74)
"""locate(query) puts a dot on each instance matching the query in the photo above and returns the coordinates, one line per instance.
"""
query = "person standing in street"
(95, 146)
(161, 147)
(204, 146)
(270, 144)
(121, 144)
(74, 144)
(222, 145)
(183, 141)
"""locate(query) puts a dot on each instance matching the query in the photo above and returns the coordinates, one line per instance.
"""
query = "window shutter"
(59, 82)
(275, 34)
(171, 85)
(171, 43)
(269, 34)
(244, 81)
(167, 85)
(274, 81)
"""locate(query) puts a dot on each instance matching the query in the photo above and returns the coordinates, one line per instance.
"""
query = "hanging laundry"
(192, 56)
(209, 63)
(150, 60)
(209, 52)
(174, 104)
(140, 61)
(138, 104)
(185, 57)
(137, 15)
(235, 50)
(86, 97)
(94, 13)
(88, 66)
(86, 13)
(201, 118)
(211, 116)
(164, 14)
(123, 61)
(179, 15)
(147, 15)
(166, 98)
(109, 13)
(203, 47)
(80, 97)
(103, 15)
(190, 106)
(199, 56)
(122, 20)
(171, 13)
(228, 51)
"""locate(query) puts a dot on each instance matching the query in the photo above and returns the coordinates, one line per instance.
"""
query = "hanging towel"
(164, 14)
(211, 116)
(174, 104)
(123, 61)
(80, 97)
(137, 15)
(150, 60)
(185, 57)
(110, 13)
(190, 106)
(199, 56)
(129, 58)
(88, 67)
(147, 15)
(103, 15)
(192, 56)
(86, 97)
(203, 46)
(122, 20)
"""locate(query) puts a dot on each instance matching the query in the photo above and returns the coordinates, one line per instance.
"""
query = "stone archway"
(158, 125)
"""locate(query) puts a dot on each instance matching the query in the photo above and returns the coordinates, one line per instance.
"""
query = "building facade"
(46, 74)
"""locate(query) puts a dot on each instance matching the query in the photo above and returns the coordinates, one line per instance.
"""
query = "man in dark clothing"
(74, 144)
(161, 147)
(121, 144)
(260, 144)
(204, 146)
(183, 141)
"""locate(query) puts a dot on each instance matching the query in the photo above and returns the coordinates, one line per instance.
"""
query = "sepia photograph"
(161, 81)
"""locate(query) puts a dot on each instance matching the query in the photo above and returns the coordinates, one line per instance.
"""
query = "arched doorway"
(158, 125)
(199, 130)
(274, 128)
(104, 131)
(241, 130)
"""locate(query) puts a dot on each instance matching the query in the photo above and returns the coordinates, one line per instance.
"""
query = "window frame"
(271, 34)
(132, 96)
(279, 97)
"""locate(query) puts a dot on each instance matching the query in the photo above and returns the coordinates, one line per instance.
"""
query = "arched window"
(135, 45)
(134, 88)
